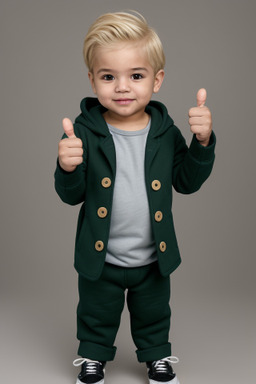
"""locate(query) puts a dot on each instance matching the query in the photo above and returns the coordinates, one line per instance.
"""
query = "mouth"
(123, 101)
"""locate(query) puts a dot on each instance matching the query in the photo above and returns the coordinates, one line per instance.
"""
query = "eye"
(108, 77)
(137, 76)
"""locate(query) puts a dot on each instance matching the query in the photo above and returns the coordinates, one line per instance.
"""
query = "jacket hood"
(91, 117)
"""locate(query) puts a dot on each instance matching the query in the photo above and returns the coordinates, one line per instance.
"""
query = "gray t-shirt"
(131, 241)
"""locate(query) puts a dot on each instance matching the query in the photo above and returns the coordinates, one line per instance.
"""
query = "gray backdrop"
(208, 44)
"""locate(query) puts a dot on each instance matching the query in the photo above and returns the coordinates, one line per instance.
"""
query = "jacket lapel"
(107, 147)
(152, 148)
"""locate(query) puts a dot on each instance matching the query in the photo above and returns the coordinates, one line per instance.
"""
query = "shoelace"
(91, 366)
(160, 365)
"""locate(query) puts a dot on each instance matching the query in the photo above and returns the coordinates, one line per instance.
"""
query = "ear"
(159, 77)
(91, 78)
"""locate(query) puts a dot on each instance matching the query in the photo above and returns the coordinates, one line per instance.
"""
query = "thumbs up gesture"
(200, 119)
(70, 149)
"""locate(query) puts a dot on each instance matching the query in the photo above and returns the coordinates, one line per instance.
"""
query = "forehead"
(120, 56)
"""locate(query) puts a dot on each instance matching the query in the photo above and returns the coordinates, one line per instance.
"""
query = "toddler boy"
(121, 159)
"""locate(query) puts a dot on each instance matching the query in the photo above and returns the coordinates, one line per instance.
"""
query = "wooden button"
(99, 245)
(156, 185)
(102, 212)
(106, 182)
(158, 216)
(162, 246)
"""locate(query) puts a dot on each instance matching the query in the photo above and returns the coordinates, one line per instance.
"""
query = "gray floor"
(214, 337)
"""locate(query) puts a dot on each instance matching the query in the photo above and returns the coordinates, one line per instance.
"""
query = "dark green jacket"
(168, 163)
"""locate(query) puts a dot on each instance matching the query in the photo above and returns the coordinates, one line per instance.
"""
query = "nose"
(122, 85)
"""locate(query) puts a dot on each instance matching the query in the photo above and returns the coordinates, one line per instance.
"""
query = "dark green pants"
(101, 304)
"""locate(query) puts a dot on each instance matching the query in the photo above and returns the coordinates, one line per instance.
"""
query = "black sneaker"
(92, 371)
(160, 371)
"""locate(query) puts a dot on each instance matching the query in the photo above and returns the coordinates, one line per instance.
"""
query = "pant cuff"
(155, 353)
(96, 351)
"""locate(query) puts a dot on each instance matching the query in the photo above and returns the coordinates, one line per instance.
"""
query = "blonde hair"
(112, 28)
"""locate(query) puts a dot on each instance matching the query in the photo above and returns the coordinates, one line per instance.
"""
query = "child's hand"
(200, 119)
(70, 149)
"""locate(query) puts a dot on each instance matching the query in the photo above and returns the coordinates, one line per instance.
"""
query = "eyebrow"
(140, 69)
(132, 69)
(104, 70)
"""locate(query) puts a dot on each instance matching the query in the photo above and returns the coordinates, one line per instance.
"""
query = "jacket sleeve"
(193, 165)
(70, 186)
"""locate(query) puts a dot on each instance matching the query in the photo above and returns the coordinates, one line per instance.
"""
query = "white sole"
(99, 382)
(173, 381)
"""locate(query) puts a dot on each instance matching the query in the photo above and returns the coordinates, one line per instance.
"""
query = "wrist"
(204, 143)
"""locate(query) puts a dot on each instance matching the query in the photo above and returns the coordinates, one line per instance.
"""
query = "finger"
(197, 129)
(197, 112)
(76, 161)
(75, 152)
(201, 97)
(72, 142)
(68, 128)
(196, 120)
(202, 111)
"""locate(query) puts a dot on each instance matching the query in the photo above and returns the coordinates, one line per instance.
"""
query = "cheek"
(146, 90)
(93, 86)
(146, 96)
(102, 91)
(103, 97)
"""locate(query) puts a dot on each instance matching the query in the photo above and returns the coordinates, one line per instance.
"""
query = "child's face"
(124, 81)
